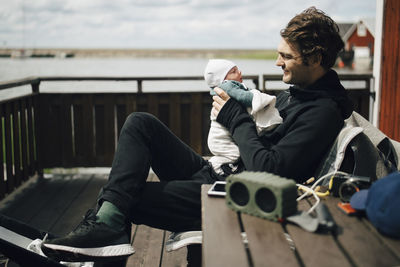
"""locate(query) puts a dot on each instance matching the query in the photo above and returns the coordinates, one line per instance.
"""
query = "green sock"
(111, 215)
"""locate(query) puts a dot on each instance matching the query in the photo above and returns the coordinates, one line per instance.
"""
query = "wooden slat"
(37, 133)
(55, 204)
(31, 136)
(49, 215)
(54, 135)
(66, 129)
(141, 103)
(17, 144)
(148, 244)
(196, 123)
(24, 141)
(222, 240)
(41, 122)
(131, 103)
(316, 249)
(392, 244)
(186, 125)
(77, 208)
(175, 258)
(109, 131)
(100, 135)
(152, 104)
(50, 122)
(36, 197)
(268, 248)
(175, 118)
(3, 185)
(83, 127)
(9, 148)
(104, 129)
(121, 117)
(126, 104)
(360, 243)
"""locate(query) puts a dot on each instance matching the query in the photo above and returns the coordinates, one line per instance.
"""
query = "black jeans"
(172, 204)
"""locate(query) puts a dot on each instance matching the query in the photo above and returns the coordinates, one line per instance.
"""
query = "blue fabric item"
(237, 91)
(381, 203)
(359, 202)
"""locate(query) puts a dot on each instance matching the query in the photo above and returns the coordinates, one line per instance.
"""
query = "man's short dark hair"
(314, 33)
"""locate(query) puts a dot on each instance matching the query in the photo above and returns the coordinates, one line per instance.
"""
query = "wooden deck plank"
(277, 252)
(392, 244)
(58, 204)
(32, 199)
(359, 241)
(55, 204)
(312, 245)
(175, 258)
(48, 216)
(231, 251)
(148, 244)
(71, 217)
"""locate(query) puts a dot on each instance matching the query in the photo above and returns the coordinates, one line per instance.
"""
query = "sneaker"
(179, 240)
(90, 241)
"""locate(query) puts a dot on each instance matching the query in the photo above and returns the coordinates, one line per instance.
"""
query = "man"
(313, 112)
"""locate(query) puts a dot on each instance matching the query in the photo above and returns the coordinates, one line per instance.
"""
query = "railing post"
(37, 124)
(255, 81)
(139, 86)
(35, 87)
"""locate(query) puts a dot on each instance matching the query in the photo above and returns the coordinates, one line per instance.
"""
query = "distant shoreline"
(139, 53)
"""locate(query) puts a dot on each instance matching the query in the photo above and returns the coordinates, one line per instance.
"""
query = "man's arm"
(298, 152)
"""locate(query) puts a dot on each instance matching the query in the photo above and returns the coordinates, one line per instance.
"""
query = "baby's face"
(234, 75)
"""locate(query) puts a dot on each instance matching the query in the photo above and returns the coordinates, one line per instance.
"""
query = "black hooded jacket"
(312, 119)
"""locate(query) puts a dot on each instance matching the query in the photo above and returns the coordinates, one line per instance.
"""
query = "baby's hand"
(238, 92)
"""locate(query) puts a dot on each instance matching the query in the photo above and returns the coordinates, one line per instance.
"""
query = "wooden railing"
(44, 130)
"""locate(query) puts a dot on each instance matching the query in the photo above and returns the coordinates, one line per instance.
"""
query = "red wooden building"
(359, 40)
(361, 34)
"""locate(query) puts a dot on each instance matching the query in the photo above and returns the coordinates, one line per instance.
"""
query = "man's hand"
(219, 100)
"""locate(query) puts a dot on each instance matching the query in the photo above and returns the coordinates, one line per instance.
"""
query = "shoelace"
(88, 221)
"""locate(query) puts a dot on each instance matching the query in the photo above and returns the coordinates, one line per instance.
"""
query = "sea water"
(12, 69)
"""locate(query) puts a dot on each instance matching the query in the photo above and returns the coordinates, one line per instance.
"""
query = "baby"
(226, 75)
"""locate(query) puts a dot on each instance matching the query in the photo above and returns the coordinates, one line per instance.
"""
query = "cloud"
(160, 23)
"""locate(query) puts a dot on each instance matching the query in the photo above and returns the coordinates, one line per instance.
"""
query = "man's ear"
(315, 60)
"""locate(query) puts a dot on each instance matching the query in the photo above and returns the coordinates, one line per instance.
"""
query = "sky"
(197, 24)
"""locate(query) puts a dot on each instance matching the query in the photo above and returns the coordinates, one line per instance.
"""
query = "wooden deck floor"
(58, 202)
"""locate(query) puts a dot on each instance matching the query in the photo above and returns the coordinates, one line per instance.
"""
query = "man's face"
(234, 75)
(294, 71)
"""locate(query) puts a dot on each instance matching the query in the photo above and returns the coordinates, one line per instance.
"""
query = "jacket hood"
(328, 86)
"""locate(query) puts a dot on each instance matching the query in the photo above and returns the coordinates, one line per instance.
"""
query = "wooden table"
(355, 243)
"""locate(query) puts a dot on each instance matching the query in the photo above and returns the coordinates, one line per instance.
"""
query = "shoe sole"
(183, 239)
(73, 254)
